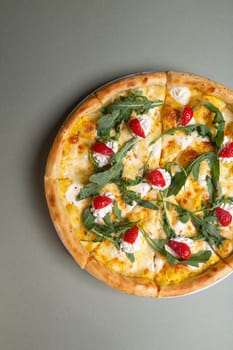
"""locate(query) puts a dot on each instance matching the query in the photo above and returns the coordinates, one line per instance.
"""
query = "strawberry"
(100, 202)
(102, 148)
(136, 127)
(227, 151)
(224, 217)
(186, 115)
(156, 178)
(182, 249)
(131, 235)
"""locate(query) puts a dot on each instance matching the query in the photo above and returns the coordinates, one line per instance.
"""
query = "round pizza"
(139, 183)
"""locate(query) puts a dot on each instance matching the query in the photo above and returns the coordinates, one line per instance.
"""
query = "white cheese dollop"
(181, 94)
(145, 122)
(158, 264)
(130, 248)
(103, 160)
(101, 213)
(167, 178)
(71, 194)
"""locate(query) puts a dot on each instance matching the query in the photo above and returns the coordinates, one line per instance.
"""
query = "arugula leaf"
(130, 256)
(179, 179)
(118, 157)
(200, 257)
(159, 245)
(218, 121)
(104, 177)
(210, 188)
(88, 191)
(121, 109)
(88, 218)
(201, 129)
(134, 182)
(107, 122)
(117, 211)
(111, 231)
(130, 196)
(208, 229)
(92, 159)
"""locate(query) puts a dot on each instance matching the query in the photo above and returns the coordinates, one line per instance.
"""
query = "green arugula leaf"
(130, 256)
(117, 211)
(107, 176)
(134, 182)
(200, 257)
(118, 157)
(201, 129)
(89, 190)
(210, 188)
(159, 245)
(129, 197)
(179, 179)
(121, 109)
(88, 218)
(218, 121)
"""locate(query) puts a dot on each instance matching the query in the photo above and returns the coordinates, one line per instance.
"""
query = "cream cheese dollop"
(181, 94)
(71, 194)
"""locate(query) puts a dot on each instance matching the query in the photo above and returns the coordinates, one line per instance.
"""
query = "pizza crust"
(62, 223)
(206, 85)
(135, 286)
(133, 82)
(206, 279)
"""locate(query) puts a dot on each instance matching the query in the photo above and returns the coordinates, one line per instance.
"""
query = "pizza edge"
(209, 277)
(62, 223)
(130, 285)
(206, 85)
(132, 82)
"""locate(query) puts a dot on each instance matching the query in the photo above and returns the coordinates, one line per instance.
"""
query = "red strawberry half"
(180, 248)
(186, 116)
(102, 148)
(227, 151)
(131, 235)
(156, 178)
(136, 127)
(100, 202)
(223, 216)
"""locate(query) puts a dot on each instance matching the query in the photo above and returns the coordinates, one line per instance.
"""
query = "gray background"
(52, 54)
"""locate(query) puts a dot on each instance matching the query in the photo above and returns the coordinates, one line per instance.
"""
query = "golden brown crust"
(90, 105)
(136, 81)
(229, 260)
(62, 223)
(209, 277)
(136, 286)
(206, 85)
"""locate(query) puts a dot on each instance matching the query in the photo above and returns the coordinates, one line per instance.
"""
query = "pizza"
(139, 183)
